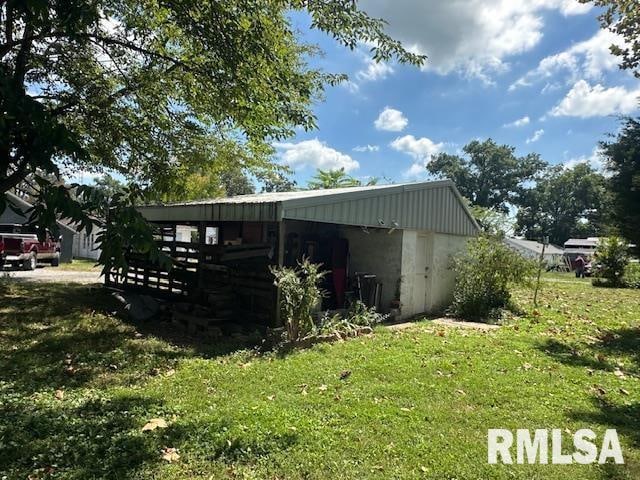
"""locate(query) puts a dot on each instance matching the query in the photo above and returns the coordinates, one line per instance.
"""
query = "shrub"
(612, 256)
(631, 277)
(300, 292)
(358, 316)
(484, 274)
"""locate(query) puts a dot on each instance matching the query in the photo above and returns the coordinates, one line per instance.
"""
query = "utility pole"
(545, 241)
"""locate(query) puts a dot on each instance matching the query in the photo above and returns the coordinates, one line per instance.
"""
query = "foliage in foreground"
(484, 276)
(300, 294)
(165, 94)
(78, 385)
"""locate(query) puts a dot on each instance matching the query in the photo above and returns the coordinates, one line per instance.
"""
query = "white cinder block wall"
(378, 252)
(434, 293)
(442, 278)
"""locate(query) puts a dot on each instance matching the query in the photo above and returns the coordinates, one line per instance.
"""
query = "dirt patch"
(447, 322)
(52, 274)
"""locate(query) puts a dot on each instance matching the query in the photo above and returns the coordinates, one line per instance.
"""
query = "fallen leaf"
(59, 395)
(461, 392)
(170, 454)
(405, 409)
(170, 372)
(424, 469)
(624, 392)
(619, 373)
(271, 397)
(322, 388)
(526, 366)
(345, 374)
(153, 424)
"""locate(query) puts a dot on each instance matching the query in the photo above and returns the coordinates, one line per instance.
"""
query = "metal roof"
(589, 242)
(534, 246)
(434, 206)
(24, 206)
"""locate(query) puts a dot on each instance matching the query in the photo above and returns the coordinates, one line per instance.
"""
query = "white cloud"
(595, 160)
(391, 120)
(536, 136)
(374, 71)
(521, 122)
(366, 148)
(315, 154)
(584, 101)
(420, 149)
(588, 59)
(473, 37)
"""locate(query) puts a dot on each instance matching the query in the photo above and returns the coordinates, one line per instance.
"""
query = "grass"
(417, 403)
(80, 264)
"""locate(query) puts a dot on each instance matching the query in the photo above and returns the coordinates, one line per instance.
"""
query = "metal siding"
(434, 209)
(428, 207)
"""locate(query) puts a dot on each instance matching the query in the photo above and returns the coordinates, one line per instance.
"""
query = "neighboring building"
(10, 216)
(393, 241)
(581, 246)
(532, 250)
(85, 245)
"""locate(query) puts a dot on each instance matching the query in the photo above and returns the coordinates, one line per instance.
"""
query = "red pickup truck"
(24, 246)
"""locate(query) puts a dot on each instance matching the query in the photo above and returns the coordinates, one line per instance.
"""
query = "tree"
(623, 17)
(564, 203)
(109, 186)
(490, 175)
(235, 182)
(324, 179)
(277, 181)
(151, 90)
(623, 162)
(612, 255)
(492, 222)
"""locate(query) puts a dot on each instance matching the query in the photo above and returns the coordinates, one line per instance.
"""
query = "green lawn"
(80, 264)
(417, 403)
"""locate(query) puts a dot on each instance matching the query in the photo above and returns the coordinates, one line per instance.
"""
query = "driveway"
(52, 274)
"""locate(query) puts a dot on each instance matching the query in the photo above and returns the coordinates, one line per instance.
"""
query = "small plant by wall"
(300, 293)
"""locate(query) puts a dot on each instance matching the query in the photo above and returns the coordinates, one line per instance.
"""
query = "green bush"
(300, 293)
(631, 277)
(612, 257)
(484, 274)
(358, 316)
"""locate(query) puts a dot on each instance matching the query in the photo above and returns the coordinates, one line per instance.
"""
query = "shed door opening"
(422, 273)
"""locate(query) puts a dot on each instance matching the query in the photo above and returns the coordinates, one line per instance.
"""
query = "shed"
(389, 245)
(18, 215)
(532, 250)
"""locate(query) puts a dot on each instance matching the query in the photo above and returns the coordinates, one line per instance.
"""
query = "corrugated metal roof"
(435, 206)
(589, 242)
(534, 246)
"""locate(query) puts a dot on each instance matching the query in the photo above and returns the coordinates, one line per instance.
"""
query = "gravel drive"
(52, 274)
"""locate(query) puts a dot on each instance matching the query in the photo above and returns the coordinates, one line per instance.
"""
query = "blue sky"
(534, 74)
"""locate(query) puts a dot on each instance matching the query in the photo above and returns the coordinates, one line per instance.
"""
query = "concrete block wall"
(378, 252)
(442, 276)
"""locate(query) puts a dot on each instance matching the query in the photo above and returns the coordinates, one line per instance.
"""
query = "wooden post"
(545, 240)
(280, 259)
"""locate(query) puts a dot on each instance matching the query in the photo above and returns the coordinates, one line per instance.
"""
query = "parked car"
(24, 246)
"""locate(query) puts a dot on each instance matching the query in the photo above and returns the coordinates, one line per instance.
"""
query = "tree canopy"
(156, 91)
(489, 175)
(623, 17)
(564, 203)
(337, 178)
(623, 162)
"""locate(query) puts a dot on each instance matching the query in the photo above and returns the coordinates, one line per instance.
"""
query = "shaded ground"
(77, 385)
